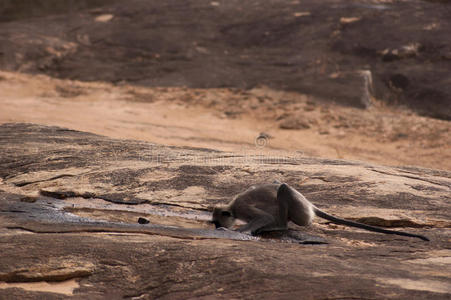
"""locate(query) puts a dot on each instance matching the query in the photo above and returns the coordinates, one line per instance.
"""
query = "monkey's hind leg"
(260, 220)
(293, 206)
(279, 221)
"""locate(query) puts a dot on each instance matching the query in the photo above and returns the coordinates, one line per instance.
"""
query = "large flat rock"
(70, 201)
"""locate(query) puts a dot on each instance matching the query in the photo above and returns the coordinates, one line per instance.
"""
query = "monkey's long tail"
(336, 220)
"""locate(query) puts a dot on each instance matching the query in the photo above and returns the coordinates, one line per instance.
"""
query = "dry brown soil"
(229, 119)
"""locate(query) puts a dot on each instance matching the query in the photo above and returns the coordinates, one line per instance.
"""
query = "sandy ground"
(229, 120)
(66, 287)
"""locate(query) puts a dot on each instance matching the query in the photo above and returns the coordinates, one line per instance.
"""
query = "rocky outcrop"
(70, 203)
(314, 47)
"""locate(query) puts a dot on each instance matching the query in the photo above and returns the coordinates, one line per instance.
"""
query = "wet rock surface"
(70, 203)
(313, 47)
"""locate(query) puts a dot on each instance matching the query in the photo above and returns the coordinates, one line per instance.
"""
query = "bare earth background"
(229, 119)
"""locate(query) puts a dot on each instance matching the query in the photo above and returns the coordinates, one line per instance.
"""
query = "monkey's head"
(222, 217)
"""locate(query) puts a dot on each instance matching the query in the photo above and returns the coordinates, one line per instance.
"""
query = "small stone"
(29, 199)
(349, 20)
(143, 221)
(302, 14)
(104, 18)
(294, 124)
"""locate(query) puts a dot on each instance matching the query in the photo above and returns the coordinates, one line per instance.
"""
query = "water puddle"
(98, 209)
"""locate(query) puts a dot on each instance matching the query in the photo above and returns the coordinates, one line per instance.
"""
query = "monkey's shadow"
(284, 236)
(293, 236)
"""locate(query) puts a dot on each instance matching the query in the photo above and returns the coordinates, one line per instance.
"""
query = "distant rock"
(296, 46)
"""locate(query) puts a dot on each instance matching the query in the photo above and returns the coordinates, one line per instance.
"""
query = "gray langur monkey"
(269, 207)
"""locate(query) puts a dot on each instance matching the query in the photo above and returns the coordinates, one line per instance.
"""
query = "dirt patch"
(203, 118)
(65, 287)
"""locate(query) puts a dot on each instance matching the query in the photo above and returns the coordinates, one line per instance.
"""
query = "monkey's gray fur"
(269, 207)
